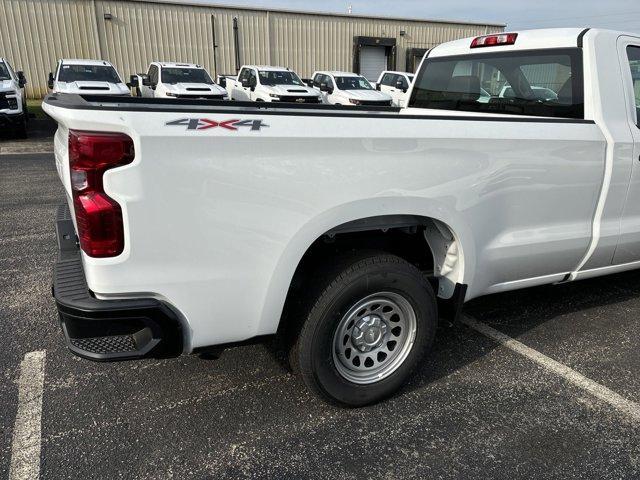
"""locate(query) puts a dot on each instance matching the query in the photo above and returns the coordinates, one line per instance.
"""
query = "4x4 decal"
(207, 123)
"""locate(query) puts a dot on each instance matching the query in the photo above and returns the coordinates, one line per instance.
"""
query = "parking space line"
(26, 440)
(629, 408)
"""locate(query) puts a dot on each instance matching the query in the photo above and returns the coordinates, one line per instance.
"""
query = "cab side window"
(153, 74)
(251, 75)
(328, 81)
(634, 62)
(387, 80)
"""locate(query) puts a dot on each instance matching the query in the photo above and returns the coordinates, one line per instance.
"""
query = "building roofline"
(320, 13)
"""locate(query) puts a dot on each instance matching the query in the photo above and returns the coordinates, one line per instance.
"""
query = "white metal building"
(132, 33)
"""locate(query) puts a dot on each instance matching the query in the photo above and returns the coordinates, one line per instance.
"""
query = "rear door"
(628, 249)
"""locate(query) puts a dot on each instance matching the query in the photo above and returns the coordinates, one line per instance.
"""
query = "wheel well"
(427, 243)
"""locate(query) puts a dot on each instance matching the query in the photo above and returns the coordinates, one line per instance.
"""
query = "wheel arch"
(444, 230)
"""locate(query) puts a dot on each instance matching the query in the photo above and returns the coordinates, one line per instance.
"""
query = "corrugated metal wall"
(35, 33)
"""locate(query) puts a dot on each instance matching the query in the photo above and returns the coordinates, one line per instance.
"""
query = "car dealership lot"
(476, 410)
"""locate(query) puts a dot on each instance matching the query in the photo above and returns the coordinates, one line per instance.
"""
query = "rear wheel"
(366, 330)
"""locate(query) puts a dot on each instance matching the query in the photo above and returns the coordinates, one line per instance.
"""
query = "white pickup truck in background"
(260, 83)
(86, 77)
(176, 80)
(396, 85)
(13, 101)
(345, 88)
(348, 230)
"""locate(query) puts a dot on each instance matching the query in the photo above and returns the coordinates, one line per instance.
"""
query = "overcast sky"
(517, 14)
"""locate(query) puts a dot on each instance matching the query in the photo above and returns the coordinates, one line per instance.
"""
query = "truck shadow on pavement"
(591, 308)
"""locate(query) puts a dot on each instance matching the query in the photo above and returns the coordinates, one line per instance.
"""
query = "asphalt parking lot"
(477, 409)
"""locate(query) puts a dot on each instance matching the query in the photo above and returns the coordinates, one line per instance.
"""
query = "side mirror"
(50, 81)
(245, 82)
(378, 86)
(222, 81)
(146, 81)
(400, 86)
(133, 82)
(326, 88)
(22, 81)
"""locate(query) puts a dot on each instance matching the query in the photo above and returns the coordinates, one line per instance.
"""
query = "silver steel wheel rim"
(374, 337)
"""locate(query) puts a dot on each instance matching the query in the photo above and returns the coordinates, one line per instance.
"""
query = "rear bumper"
(107, 330)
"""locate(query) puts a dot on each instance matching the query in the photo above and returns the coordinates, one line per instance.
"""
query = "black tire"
(312, 351)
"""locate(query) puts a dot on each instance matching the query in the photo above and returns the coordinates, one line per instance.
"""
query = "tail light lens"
(494, 40)
(98, 217)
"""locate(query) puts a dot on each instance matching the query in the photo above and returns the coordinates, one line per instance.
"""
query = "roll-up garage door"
(373, 61)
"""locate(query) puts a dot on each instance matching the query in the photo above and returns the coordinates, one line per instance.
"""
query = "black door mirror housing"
(146, 81)
(401, 86)
(133, 82)
(245, 82)
(50, 81)
(22, 80)
(326, 88)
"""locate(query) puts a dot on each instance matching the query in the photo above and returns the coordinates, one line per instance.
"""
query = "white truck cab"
(261, 83)
(13, 101)
(86, 77)
(345, 88)
(396, 85)
(177, 80)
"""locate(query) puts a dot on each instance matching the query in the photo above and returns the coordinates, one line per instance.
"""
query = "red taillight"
(494, 40)
(98, 217)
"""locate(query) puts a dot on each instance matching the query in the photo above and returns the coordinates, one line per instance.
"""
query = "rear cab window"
(545, 83)
(633, 54)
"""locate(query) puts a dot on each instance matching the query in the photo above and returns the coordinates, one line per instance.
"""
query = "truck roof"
(526, 40)
(338, 73)
(178, 64)
(267, 68)
(397, 72)
(81, 61)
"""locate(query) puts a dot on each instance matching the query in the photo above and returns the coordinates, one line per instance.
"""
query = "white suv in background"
(177, 80)
(13, 101)
(345, 88)
(87, 77)
(396, 85)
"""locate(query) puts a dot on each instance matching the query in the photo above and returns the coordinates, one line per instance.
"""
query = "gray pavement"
(475, 410)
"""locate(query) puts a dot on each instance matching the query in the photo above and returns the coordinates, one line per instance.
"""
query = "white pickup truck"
(346, 88)
(176, 80)
(87, 77)
(259, 83)
(13, 100)
(348, 230)
(396, 85)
